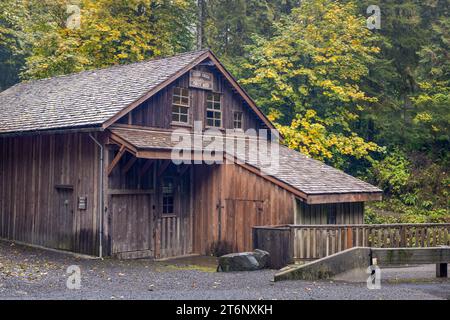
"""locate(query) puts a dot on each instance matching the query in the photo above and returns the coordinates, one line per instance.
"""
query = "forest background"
(372, 100)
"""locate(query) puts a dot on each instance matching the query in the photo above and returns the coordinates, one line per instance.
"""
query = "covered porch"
(149, 203)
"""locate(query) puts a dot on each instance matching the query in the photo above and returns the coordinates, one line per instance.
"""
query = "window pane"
(213, 110)
(180, 106)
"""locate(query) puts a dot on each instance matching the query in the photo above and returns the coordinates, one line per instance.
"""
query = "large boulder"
(244, 261)
(262, 257)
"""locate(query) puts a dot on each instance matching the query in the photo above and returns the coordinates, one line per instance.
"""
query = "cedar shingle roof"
(307, 175)
(84, 99)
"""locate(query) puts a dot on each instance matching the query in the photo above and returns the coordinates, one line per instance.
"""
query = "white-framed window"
(180, 105)
(214, 110)
(238, 120)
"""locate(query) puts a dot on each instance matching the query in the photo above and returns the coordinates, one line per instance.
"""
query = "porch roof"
(308, 178)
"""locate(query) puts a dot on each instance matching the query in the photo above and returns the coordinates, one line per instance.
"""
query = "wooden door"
(240, 216)
(132, 225)
(63, 222)
(174, 232)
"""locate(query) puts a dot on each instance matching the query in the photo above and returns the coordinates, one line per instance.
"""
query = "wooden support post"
(403, 236)
(116, 159)
(441, 270)
(158, 238)
(349, 238)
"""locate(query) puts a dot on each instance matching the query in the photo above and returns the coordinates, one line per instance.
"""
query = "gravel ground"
(29, 273)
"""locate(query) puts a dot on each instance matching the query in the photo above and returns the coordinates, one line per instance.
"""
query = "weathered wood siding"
(41, 178)
(345, 213)
(207, 188)
(278, 242)
(132, 224)
(138, 228)
(229, 200)
(157, 111)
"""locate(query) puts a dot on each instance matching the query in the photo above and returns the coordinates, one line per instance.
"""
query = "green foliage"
(374, 103)
(307, 77)
(315, 137)
(394, 211)
(392, 173)
(111, 32)
(230, 25)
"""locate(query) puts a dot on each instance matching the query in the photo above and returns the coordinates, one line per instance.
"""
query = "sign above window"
(201, 80)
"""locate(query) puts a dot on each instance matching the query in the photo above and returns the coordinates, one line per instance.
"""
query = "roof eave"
(84, 128)
(362, 196)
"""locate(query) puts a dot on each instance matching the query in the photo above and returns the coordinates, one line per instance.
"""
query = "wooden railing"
(309, 242)
(318, 241)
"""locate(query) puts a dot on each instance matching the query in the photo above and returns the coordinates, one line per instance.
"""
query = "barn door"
(241, 215)
(63, 224)
(132, 225)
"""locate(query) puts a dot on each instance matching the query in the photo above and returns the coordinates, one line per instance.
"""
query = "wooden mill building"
(85, 165)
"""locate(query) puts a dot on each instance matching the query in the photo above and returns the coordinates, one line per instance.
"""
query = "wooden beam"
(116, 160)
(129, 191)
(155, 154)
(129, 164)
(121, 142)
(344, 197)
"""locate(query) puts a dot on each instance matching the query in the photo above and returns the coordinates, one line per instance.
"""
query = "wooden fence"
(309, 242)
(277, 241)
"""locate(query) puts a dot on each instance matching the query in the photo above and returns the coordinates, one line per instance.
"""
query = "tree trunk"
(201, 16)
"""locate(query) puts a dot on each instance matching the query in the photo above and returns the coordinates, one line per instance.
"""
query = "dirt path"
(28, 273)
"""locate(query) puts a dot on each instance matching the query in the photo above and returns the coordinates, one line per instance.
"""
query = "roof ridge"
(31, 81)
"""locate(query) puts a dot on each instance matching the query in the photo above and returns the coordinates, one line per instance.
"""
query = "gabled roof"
(310, 178)
(97, 98)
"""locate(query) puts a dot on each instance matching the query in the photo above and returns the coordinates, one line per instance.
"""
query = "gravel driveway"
(30, 273)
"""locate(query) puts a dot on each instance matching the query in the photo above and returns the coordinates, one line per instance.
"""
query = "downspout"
(100, 248)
